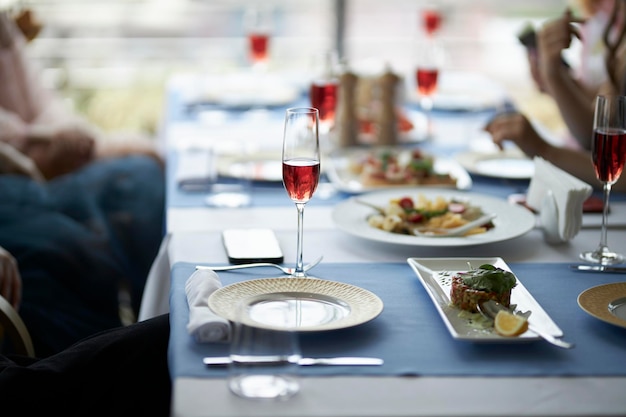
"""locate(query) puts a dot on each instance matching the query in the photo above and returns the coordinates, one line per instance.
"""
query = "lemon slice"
(509, 324)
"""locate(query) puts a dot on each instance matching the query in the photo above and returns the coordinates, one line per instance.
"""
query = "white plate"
(262, 166)
(510, 163)
(464, 91)
(512, 220)
(242, 90)
(321, 304)
(436, 273)
(341, 176)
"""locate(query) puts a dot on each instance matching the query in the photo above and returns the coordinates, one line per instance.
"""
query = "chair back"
(14, 331)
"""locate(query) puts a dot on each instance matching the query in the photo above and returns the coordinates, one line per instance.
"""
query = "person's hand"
(60, 151)
(552, 39)
(10, 279)
(516, 128)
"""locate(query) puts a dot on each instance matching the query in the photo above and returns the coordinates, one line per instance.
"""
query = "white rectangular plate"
(436, 274)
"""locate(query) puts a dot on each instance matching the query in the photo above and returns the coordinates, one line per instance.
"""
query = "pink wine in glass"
(431, 20)
(323, 96)
(426, 81)
(609, 154)
(300, 177)
(258, 45)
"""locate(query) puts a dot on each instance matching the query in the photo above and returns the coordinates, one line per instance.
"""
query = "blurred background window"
(112, 58)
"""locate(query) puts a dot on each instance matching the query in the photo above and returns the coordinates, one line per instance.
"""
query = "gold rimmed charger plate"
(599, 302)
(317, 304)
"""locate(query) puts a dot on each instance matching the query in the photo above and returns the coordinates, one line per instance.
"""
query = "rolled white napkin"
(569, 194)
(204, 325)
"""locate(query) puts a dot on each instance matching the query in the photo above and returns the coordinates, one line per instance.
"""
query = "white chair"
(13, 329)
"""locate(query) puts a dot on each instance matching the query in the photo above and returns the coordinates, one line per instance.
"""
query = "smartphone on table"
(244, 246)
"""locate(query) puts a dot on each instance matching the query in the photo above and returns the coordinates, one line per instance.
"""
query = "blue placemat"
(413, 340)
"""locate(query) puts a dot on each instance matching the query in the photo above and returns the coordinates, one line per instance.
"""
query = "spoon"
(490, 309)
(455, 231)
(286, 270)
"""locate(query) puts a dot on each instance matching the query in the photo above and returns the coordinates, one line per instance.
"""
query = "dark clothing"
(119, 372)
(78, 239)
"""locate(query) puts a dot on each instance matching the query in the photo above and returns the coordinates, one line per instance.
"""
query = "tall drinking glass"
(324, 89)
(608, 154)
(258, 26)
(301, 165)
(428, 67)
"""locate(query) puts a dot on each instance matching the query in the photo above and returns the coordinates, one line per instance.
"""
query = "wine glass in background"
(324, 89)
(429, 62)
(258, 24)
(431, 19)
(608, 154)
(301, 165)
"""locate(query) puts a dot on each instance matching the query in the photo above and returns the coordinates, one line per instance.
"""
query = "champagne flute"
(301, 165)
(324, 89)
(431, 18)
(258, 27)
(429, 63)
(608, 154)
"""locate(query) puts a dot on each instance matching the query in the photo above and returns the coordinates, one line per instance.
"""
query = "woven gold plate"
(316, 304)
(600, 300)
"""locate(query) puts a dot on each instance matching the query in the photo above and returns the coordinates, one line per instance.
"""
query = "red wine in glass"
(323, 96)
(300, 177)
(426, 79)
(258, 46)
(609, 154)
(431, 21)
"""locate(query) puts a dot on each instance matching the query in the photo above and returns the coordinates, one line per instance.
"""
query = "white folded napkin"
(204, 325)
(569, 194)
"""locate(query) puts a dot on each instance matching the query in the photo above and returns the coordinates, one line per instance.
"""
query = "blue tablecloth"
(413, 340)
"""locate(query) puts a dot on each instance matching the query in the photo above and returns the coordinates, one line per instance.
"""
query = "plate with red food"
(393, 216)
(457, 285)
(361, 169)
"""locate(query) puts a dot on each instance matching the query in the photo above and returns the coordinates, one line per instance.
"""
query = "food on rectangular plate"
(487, 282)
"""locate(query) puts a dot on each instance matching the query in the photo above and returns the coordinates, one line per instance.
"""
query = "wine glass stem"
(605, 213)
(299, 272)
(427, 105)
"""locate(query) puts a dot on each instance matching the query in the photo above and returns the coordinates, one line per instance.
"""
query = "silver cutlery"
(286, 270)
(490, 309)
(347, 360)
(600, 268)
(454, 231)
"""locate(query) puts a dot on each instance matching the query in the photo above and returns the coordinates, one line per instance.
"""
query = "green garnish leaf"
(489, 278)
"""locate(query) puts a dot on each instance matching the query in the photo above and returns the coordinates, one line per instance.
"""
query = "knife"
(347, 360)
(600, 268)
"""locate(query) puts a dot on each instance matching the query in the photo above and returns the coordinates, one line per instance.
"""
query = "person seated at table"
(118, 372)
(575, 103)
(41, 126)
(80, 240)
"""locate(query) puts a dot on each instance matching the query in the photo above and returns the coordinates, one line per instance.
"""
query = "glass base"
(602, 256)
(279, 387)
(233, 199)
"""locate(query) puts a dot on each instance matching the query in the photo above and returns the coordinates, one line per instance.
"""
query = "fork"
(286, 270)
(456, 231)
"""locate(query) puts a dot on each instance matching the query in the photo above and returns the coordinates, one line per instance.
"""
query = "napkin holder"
(558, 197)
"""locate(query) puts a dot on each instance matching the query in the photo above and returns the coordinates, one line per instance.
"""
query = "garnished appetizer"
(487, 282)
